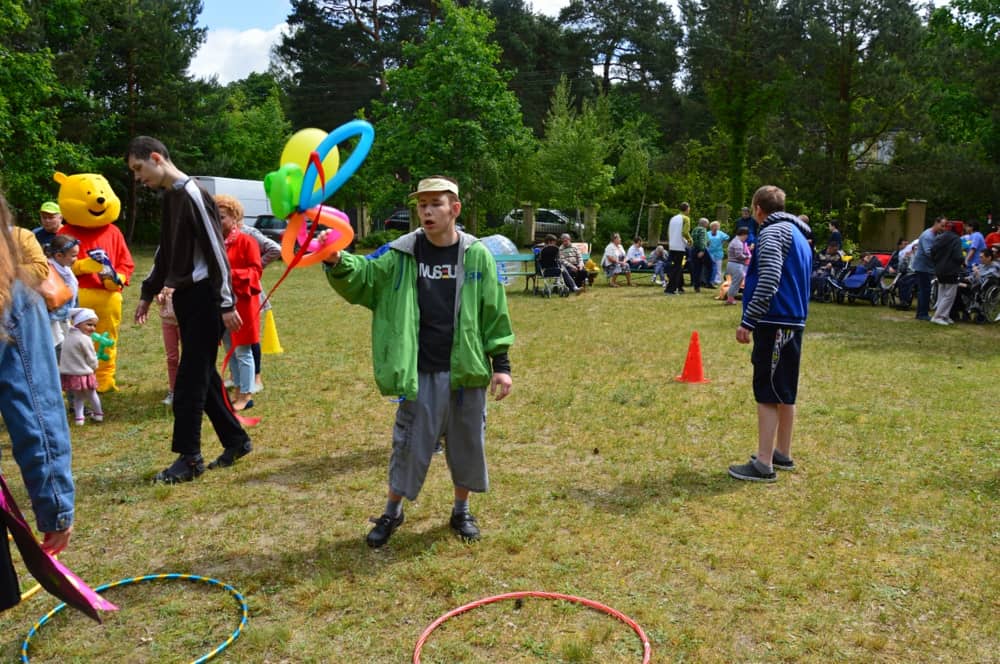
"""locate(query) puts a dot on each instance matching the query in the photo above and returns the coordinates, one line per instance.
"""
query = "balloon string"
(303, 249)
(315, 161)
(246, 421)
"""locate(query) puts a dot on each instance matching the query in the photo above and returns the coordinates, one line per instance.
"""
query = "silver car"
(547, 222)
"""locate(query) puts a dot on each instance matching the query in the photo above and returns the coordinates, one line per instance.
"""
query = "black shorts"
(775, 357)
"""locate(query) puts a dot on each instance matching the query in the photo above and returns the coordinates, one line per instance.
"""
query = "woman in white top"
(614, 261)
(636, 256)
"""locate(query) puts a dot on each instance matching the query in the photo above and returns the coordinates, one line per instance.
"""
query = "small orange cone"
(693, 371)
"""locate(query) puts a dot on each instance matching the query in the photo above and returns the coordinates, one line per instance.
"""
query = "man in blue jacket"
(775, 306)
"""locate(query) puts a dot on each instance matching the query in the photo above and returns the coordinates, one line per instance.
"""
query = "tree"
(738, 71)
(951, 154)
(138, 83)
(331, 60)
(253, 130)
(855, 87)
(29, 123)
(631, 40)
(448, 110)
(572, 160)
(539, 52)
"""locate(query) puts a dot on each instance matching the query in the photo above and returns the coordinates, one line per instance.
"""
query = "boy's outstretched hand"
(500, 385)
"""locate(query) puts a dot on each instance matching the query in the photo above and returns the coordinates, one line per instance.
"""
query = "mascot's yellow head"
(87, 200)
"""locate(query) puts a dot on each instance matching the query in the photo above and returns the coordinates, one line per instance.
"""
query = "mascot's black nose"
(100, 201)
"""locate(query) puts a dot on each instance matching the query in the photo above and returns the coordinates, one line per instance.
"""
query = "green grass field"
(608, 482)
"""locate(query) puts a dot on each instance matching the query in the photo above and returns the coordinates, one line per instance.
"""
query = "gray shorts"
(458, 415)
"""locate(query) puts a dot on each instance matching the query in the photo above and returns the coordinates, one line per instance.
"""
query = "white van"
(249, 192)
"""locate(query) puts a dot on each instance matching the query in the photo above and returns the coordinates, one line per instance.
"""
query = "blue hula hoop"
(244, 609)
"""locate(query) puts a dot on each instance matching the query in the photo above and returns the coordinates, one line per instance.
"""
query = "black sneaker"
(186, 468)
(750, 473)
(230, 455)
(385, 526)
(779, 461)
(464, 525)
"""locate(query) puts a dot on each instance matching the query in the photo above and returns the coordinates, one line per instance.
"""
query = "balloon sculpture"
(310, 173)
(104, 342)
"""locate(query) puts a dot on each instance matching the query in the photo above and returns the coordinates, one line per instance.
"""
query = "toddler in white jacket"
(77, 364)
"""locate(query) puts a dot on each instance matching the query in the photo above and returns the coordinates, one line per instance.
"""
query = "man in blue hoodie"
(775, 306)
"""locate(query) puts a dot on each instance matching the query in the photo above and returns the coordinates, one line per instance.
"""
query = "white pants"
(945, 300)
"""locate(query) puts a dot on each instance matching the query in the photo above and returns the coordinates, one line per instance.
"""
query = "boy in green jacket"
(440, 336)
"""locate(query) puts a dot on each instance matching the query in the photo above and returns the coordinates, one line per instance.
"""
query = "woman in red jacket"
(244, 259)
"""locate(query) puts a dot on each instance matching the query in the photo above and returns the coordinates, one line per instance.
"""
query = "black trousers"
(198, 388)
(10, 591)
(698, 268)
(675, 273)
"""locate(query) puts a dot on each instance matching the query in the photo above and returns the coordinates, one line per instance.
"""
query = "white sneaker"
(940, 321)
(168, 400)
(229, 383)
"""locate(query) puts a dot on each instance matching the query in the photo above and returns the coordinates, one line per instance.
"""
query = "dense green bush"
(612, 220)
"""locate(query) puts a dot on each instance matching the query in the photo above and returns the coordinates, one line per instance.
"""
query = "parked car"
(399, 220)
(548, 221)
(271, 226)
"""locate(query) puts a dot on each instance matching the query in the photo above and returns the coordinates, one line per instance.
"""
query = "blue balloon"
(309, 199)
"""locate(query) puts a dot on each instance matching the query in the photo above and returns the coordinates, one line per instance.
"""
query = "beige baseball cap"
(435, 185)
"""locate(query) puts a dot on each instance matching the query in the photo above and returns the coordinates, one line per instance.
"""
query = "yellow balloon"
(301, 144)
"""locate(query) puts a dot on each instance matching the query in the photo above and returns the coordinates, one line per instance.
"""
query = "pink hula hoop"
(647, 650)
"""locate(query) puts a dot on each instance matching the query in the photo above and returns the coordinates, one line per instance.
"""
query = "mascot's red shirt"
(111, 240)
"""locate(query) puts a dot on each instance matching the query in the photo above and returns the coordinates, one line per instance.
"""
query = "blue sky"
(244, 14)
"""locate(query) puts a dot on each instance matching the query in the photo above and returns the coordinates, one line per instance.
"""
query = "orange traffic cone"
(693, 371)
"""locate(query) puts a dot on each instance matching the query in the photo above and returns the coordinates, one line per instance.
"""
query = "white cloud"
(548, 7)
(232, 55)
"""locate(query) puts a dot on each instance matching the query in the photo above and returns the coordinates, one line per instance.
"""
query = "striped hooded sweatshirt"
(776, 290)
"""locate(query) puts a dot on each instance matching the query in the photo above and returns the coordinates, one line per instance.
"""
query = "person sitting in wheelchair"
(551, 266)
(971, 289)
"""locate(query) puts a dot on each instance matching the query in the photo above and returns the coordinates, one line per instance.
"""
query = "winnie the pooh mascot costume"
(90, 208)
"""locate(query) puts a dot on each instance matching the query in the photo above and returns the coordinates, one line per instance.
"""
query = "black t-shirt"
(437, 268)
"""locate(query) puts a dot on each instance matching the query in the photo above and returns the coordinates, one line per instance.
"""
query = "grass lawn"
(608, 482)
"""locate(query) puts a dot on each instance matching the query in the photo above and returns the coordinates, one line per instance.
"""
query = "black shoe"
(186, 468)
(749, 472)
(779, 461)
(385, 526)
(464, 525)
(230, 455)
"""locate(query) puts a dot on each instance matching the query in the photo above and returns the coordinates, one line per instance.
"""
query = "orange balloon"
(339, 234)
